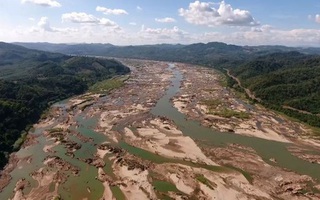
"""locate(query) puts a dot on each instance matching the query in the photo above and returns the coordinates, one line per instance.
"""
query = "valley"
(171, 131)
(161, 100)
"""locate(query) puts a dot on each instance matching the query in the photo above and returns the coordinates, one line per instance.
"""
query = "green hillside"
(287, 82)
(31, 80)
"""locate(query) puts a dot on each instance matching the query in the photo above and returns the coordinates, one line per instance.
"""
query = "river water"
(77, 187)
(265, 148)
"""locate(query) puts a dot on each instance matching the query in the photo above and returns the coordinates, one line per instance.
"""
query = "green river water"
(265, 148)
(77, 187)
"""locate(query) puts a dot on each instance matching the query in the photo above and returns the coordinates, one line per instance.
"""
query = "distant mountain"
(31, 80)
(17, 61)
(215, 54)
(75, 49)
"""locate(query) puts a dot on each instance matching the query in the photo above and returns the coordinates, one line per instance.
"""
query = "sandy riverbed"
(125, 117)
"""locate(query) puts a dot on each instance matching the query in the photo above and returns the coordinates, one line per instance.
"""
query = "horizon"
(142, 22)
(95, 43)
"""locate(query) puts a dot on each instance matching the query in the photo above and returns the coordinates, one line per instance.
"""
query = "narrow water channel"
(76, 187)
(265, 148)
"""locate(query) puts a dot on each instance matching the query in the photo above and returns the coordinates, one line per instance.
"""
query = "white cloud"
(203, 13)
(139, 8)
(166, 31)
(108, 11)
(44, 24)
(165, 35)
(84, 18)
(46, 3)
(31, 19)
(165, 20)
(133, 23)
(79, 17)
(317, 18)
(107, 22)
(263, 28)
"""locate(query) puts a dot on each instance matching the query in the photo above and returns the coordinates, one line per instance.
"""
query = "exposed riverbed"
(265, 148)
(146, 134)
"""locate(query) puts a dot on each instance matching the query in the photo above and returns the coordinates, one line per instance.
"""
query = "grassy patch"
(212, 103)
(227, 113)
(205, 181)
(106, 86)
(223, 80)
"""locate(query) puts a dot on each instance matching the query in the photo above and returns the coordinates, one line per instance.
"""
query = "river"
(265, 148)
(77, 187)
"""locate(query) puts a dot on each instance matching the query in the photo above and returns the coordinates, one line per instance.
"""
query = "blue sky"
(127, 22)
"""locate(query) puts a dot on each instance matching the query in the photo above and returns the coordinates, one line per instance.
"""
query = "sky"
(137, 22)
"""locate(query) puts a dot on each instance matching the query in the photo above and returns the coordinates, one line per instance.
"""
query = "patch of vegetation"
(106, 86)
(223, 79)
(212, 103)
(227, 113)
(204, 180)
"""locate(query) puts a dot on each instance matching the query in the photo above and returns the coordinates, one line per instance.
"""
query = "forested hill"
(215, 54)
(207, 54)
(31, 80)
(285, 81)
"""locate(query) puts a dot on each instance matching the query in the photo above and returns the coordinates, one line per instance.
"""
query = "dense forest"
(288, 82)
(31, 80)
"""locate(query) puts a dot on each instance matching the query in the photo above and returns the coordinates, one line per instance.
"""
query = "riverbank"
(202, 97)
(130, 144)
